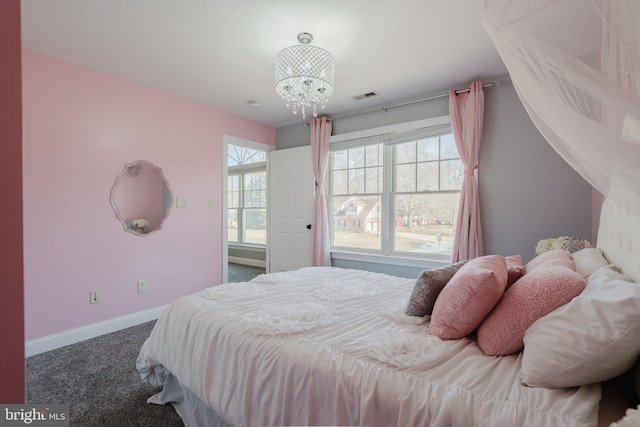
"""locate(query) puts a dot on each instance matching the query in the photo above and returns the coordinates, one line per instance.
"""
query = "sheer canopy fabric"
(320, 143)
(467, 114)
(575, 65)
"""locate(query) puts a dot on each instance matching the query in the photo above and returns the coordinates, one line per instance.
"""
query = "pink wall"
(80, 128)
(12, 387)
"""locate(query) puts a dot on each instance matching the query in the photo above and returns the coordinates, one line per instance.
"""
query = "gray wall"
(527, 192)
(393, 270)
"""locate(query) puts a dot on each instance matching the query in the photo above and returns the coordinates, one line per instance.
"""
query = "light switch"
(181, 202)
(211, 203)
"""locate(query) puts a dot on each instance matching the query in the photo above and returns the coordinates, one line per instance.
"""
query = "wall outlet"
(142, 286)
(94, 297)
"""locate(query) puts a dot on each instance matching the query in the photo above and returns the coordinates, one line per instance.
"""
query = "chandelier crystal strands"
(304, 76)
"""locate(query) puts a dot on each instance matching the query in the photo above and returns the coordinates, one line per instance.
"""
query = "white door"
(291, 191)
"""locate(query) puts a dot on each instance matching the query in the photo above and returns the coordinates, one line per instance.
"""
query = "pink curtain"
(320, 140)
(467, 113)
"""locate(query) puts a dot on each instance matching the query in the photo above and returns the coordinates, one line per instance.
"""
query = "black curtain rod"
(402, 104)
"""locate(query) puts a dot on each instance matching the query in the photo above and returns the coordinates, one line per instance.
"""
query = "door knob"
(308, 226)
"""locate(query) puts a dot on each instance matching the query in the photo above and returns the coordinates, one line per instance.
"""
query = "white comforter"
(329, 346)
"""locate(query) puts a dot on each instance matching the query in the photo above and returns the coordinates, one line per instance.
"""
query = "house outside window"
(247, 196)
(399, 192)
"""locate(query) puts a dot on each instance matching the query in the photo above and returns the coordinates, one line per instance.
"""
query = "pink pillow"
(515, 270)
(549, 258)
(468, 297)
(536, 294)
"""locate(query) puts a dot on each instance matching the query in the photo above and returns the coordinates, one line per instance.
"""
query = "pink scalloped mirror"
(141, 198)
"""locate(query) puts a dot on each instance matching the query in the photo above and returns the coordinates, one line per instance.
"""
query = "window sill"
(422, 263)
(246, 247)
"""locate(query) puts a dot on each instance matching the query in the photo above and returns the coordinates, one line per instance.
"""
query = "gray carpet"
(243, 273)
(98, 380)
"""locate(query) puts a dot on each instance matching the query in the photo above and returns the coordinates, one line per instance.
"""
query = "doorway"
(245, 207)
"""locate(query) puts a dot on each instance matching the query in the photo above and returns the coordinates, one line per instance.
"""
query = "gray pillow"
(428, 287)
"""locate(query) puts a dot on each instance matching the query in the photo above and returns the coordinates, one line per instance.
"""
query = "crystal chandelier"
(304, 75)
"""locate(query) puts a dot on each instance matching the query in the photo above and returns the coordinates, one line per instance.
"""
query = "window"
(400, 190)
(247, 196)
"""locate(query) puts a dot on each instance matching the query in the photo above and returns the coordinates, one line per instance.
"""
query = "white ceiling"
(221, 53)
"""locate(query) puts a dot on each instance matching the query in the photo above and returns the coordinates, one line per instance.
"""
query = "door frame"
(234, 140)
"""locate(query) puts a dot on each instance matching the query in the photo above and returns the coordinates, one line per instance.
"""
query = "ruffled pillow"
(427, 288)
(468, 297)
(563, 242)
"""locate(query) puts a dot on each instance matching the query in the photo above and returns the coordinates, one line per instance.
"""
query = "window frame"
(241, 171)
(387, 197)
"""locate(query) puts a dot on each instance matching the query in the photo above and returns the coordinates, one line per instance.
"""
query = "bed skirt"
(190, 408)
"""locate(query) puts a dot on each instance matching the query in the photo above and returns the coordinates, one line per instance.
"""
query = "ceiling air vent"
(365, 96)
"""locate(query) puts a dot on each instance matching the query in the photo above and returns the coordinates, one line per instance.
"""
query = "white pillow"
(588, 260)
(594, 337)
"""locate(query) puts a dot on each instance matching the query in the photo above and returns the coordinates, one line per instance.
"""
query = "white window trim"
(424, 263)
(394, 258)
(398, 127)
(248, 247)
(248, 168)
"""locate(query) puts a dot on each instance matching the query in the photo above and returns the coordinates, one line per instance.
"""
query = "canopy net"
(575, 65)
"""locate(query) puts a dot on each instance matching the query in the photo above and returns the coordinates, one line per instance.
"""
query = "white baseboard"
(72, 336)
(247, 261)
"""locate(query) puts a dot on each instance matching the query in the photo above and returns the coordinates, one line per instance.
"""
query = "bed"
(330, 346)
